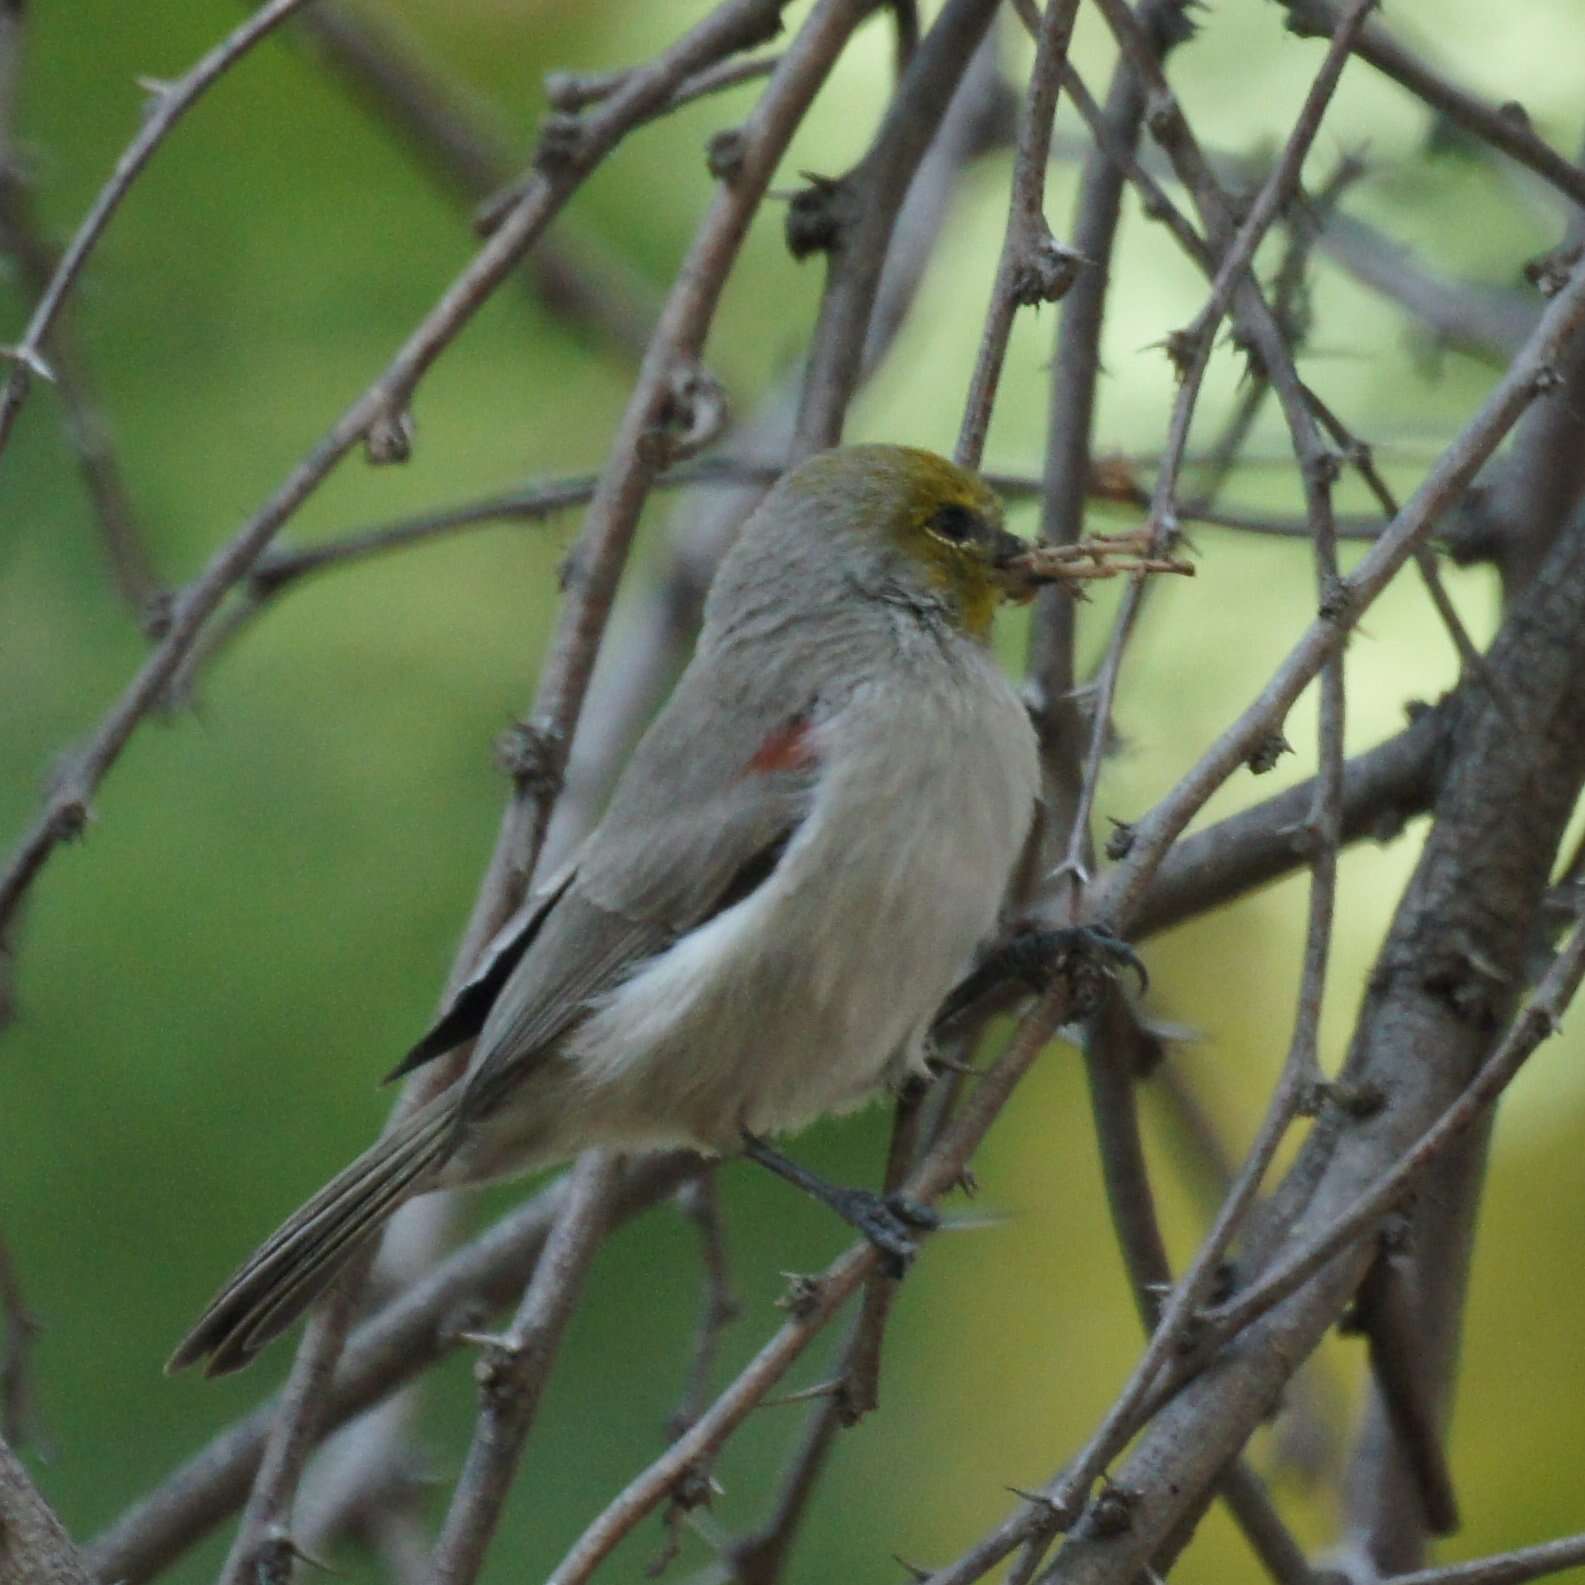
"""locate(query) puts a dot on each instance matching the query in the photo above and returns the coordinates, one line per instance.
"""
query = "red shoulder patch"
(789, 747)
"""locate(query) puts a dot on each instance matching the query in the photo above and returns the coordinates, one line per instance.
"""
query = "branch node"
(159, 610)
(28, 361)
(69, 814)
(1183, 349)
(802, 1295)
(1112, 1512)
(531, 754)
(569, 92)
(1357, 1099)
(1550, 273)
(277, 1552)
(562, 145)
(1547, 379)
(1325, 468)
(693, 412)
(1312, 1099)
(389, 439)
(820, 214)
(695, 1487)
(1515, 115)
(1264, 755)
(1337, 599)
(1045, 270)
(1161, 114)
(1306, 20)
(725, 152)
(1541, 1020)
(1121, 842)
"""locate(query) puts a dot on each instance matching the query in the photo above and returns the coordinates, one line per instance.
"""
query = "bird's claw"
(914, 1212)
(1088, 955)
(1036, 954)
(886, 1220)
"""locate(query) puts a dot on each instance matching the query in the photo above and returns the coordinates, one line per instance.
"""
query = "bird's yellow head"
(946, 522)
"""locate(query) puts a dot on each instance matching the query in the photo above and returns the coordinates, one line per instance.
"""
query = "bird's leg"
(1032, 957)
(884, 1219)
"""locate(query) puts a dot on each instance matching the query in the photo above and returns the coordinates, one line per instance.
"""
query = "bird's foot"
(1089, 955)
(888, 1221)
(1036, 955)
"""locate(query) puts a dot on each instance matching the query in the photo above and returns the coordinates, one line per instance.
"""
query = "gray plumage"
(802, 855)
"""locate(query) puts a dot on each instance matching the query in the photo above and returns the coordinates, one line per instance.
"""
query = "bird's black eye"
(953, 523)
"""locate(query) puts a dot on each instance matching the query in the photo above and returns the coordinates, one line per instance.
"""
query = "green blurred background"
(264, 908)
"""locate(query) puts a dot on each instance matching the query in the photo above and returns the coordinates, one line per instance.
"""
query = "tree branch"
(34, 1546)
(171, 102)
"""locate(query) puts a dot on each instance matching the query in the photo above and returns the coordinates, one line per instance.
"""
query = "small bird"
(799, 862)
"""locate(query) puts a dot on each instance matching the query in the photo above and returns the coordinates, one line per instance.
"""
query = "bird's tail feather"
(295, 1264)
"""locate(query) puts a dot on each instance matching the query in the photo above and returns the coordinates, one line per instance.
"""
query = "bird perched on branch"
(801, 858)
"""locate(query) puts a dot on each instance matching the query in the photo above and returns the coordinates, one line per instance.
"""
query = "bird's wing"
(464, 1014)
(699, 820)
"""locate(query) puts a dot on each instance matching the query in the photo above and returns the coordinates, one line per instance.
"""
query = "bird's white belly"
(803, 997)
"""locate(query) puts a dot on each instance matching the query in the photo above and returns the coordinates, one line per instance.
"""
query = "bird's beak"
(1014, 570)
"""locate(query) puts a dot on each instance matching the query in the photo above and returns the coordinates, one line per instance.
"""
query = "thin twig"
(1504, 127)
(1112, 1067)
(853, 219)
(1536, 1023)
(759, 1558)
(731, 26)
(819, 1301)
(569, 92)
(607, 533)
(515, 1367)
(533, 503)
(263, 1550)
(1194, 349)
(170, 103)
(1033, 267)
(131, 566)
(1485, 321)
(854, 1391)
(452, 139)
(645, 648)
(1382, 789)
(1406, 1383)
(719, 1306)
(417, 1327)
(1306, 216)
(1530, 375)
(645, 439)
(1273, 1542)
(1505, 1568)
(281, 567)
(1069, 471)
(573, 91)
(35, 1548)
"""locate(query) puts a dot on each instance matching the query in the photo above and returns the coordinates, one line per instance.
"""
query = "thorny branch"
(732, 27)
(1212, 1363)
(171, 102)
(513, 1369)
(34, 1546)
